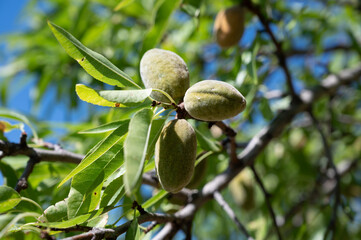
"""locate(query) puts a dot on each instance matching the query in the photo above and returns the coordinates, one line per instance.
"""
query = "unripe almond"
(229, 26)
(212, 100)
(164, 70)
(175, 155)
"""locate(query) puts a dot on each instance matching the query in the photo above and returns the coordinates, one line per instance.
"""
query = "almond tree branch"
(218, 197)
(59, 155)
(267, 197)
(279, 51)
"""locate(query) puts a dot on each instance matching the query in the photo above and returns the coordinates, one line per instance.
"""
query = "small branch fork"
(196, 199)
(279, 51)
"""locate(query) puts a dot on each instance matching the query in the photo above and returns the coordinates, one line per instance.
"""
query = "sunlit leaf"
(112, 98)
(99, 150)
(113, 192)
(86, 186)
(95, 64)
(89, 95)
(73, 221)
(105, 127)
(156, 198)
(126, 97)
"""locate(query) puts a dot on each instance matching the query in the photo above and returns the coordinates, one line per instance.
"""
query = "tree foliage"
(286, 168)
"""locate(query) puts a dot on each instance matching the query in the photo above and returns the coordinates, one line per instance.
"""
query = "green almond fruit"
(164, 70)
(212, 100)
(175, 155)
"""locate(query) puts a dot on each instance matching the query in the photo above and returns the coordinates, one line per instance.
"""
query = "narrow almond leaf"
(100, 149)
(112, 98)
(135, 148)
(105, 127)
(89, 95)
(156, 198)
(9, 198)
(86, 186)
(95, 64)
(113, 192)
(155, 33)
(126, 97)
(74, 221)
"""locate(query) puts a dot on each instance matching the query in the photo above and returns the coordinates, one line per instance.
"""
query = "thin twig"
(331, 228)
(218, 197)
(267, 198)
(279, 51)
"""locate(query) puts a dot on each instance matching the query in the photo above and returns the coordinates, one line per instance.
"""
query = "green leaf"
(112, 98)
(156, 198)
(135, 148)
(156, 32)
(89, 95)
(105, 127)
(95, 64)
(73, 221)
(56, 212)
(86, 186)
(9, 198)
(113, 192)
(100, 149)
(133, 232)
(126, 97)
(100, 221)
(19, 117)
